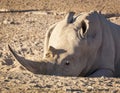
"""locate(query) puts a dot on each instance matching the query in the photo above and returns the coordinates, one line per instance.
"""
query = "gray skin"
(83, 45)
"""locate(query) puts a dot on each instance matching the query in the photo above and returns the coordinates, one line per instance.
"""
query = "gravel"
(25, 32)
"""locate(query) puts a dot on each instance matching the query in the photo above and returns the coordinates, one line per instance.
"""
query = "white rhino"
(83, 45)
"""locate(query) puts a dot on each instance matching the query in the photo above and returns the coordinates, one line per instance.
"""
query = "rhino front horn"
(34, 67)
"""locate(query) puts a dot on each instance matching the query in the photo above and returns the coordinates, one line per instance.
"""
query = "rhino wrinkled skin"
(83, 45)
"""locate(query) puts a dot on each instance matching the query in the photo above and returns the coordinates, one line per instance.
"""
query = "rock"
(90, 88)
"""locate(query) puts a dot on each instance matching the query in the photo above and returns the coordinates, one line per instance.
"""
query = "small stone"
(6, 80)
(10, 77)
(109, 84)
(7, 88)
(4, 10)
(36, 85)
(5, 22)
(90, 88)
(114, 91)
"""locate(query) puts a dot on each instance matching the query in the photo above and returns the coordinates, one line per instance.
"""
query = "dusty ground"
(24, 30)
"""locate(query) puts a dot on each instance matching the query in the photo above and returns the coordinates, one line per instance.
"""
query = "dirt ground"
(23, 24)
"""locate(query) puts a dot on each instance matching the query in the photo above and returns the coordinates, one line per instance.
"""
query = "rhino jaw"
(34, 67)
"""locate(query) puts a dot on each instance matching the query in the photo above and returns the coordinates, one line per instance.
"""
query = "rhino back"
(116, 36)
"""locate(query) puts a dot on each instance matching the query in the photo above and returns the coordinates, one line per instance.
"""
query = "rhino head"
(70, 48)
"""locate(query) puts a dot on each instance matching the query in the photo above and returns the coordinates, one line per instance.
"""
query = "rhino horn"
(34, 67)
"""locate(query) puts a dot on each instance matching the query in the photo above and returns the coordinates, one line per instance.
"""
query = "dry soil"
(23, 24)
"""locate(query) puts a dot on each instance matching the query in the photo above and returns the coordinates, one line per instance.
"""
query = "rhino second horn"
(69, 17)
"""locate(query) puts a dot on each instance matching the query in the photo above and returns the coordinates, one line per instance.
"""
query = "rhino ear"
(83, 29)
(69, 17)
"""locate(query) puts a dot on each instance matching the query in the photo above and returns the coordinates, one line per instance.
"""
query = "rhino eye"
(67, 63)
